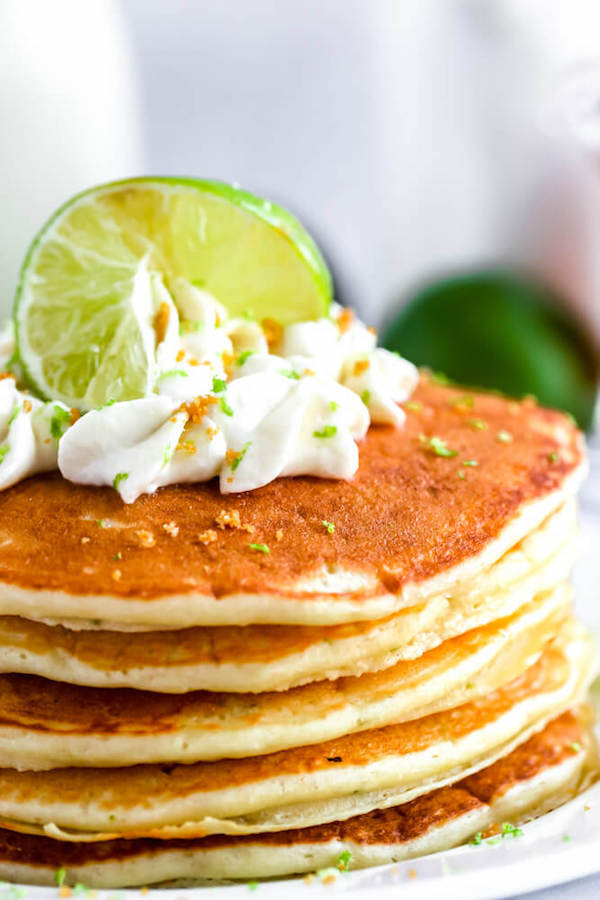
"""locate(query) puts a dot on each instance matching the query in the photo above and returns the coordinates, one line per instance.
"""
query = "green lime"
(502, 330)
(83, 304)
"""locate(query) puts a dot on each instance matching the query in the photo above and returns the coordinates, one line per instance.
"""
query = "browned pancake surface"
(406, 515)
(396, 825)
(125, 785)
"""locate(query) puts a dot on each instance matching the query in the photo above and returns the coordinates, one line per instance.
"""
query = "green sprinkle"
(100, 523)
(262, 548)
(461, 474)
(477, 424)
(59, 877)
(343, 862)
(330, 526)
(440, 378)
(244, 355)
(326, 432)
(470, 462)
(290, 373)
(511, 831)
(118, 555)
(575, 747)
(80, 889)
(465, 401)
(365, 397)
(252, 885)
(505, 437)
(239, 456)
(413, 406)
(333, 406)
(553, 457)
(493, 841)
(119, 477)
(225, 407)
(173, 373)
(218, 385)
(437, 446)
(15, 413)
(566, 838)
(167, 454)
(59, 422)
(476, 839)
(4, 448)
(249, 315)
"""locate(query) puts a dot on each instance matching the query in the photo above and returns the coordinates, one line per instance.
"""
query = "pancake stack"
(316, 675)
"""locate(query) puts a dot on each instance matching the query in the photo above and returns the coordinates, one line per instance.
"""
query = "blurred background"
(446, 155)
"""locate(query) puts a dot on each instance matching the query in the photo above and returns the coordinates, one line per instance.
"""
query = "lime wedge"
(83, 308)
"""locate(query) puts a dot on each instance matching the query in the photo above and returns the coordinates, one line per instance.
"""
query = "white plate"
(559, 847)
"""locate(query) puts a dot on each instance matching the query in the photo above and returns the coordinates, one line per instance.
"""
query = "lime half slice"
(84, 298)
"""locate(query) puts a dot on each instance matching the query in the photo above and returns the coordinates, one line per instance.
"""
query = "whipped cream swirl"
(232, 398)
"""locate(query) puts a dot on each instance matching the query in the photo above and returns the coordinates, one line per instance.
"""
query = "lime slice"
(83, 307)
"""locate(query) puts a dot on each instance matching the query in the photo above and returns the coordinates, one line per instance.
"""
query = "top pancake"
(410, 523)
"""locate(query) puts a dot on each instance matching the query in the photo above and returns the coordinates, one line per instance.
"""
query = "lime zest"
(173, 373)
(243, 357)
(327, 431)
(119, 477)
(59, 422)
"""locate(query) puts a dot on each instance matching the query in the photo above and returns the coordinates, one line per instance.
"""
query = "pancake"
(540, 774)
(277, 657)
(48, 724)
(410, 524)
(305, 786)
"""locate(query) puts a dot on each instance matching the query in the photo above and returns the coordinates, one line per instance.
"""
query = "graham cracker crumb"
(208, 537)
(161, 321)
(117, 575)
(85, 540)
(279, 535)
(345, 319)
(171, 528)
(231, 519)
(272, 331)
(360, 366)
(197, 408)
(146, 538)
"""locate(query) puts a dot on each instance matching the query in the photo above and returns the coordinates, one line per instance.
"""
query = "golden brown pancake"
(304, 786)
(46, 724)
(408, 518)
(549, 768)
(276, 657)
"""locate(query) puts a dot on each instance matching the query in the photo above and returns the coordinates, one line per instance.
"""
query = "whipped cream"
(232, 398)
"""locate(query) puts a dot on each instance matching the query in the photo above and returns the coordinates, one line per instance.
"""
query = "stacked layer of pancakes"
(314, 674)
